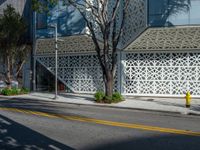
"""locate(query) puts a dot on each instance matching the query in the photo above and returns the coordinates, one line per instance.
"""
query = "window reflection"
(174, 12)
(68, 20)
(195, 12)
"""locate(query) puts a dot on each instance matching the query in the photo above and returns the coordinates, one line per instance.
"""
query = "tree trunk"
(109, 85)
(8, 73)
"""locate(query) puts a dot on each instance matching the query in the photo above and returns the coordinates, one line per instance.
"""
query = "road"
(37, 125)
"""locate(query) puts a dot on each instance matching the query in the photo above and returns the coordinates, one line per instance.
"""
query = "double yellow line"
(105, 122)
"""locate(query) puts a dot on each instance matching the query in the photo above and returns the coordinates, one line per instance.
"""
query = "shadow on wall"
(16, 136)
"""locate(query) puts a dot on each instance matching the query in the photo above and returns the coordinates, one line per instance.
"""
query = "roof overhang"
(69, 44)
(171, 38)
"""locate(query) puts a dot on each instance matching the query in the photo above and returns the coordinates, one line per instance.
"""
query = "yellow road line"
(104, 122)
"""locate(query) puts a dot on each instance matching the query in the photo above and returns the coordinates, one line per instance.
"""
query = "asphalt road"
(38, 125)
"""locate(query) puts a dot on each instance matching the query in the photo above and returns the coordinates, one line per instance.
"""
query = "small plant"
(6, 91)
(9, 92)
(24, 91)
(13, 91)
(117, 97)
(99, 96)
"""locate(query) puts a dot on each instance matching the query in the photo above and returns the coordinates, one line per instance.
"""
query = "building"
(159, 50)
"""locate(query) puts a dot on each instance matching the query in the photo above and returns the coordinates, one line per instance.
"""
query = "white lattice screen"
(81, 73)
(161, 73)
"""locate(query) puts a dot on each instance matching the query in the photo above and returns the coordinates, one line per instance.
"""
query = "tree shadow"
(16, 136)
(171, 104)
(87, 97)
(162, 142)
(38, 105)
(196, 108)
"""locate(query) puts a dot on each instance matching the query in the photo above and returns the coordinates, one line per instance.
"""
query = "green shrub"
(9, 92)
(13, 91)
(6, 91)
(24, 91)
(117, 97)
(99, 96)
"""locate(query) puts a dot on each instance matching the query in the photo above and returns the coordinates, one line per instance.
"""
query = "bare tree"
(105, 20)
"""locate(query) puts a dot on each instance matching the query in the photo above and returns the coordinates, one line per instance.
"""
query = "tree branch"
(20, 68)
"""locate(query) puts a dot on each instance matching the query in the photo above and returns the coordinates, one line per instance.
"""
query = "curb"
(189, 113)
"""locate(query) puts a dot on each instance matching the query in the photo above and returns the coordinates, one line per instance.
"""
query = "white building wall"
(161, 73)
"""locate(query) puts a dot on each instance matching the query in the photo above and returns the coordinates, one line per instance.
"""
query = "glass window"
(157, 7)
(41, 21)
(195, 12)
(179, 12)
(174, 12)
(158, 12)
(179, 18)
(69, 21)
(157, 20)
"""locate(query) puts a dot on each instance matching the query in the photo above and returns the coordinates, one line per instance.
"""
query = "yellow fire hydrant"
(188, 99)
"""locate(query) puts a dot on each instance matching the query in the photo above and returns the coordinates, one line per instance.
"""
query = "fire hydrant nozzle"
(188, 99)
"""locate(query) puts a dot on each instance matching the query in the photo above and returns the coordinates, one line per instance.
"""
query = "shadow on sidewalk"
(18, 137)
(86, 97)
(170, 104)
(196, 108)
(71, 96)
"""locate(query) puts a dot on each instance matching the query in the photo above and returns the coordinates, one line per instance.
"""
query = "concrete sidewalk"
(173, 105)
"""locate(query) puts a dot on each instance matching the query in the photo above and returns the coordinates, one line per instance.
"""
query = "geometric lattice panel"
(174, 38)
(135, 21)
(69, 44)
(162, 73)
(81, 73)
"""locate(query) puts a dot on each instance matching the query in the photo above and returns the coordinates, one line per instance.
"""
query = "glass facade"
(67, 18)
(160, 13)
(173, 12)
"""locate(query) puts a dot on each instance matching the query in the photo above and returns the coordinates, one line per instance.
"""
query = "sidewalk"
(173, 105)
